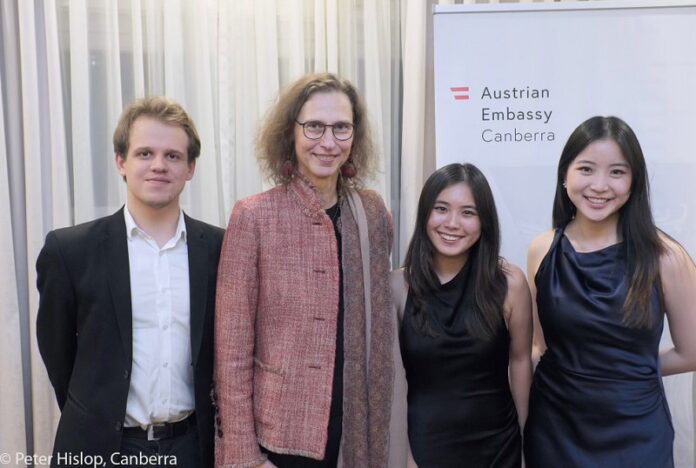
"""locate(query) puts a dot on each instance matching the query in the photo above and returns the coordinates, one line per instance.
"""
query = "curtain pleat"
(46, 181)
(202, 195)
(331, 27)
(12, 427)
(81, 109)
(413, 151)
(292, 26)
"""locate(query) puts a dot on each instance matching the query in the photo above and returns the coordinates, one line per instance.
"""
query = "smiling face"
(453, 225)
(156, 167)
(598, 182)
(321, 160)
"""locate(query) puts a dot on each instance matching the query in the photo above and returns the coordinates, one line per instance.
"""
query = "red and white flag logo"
(460, 93)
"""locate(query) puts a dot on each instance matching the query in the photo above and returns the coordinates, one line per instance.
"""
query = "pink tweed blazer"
(275, 330)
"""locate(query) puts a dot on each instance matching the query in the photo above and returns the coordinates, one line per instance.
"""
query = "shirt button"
(125, 374)
(119, 425)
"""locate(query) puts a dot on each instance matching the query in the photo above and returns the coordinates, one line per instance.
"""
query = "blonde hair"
(159, 108)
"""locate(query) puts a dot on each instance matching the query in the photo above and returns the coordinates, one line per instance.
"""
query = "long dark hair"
(489, 281)
(636, 226)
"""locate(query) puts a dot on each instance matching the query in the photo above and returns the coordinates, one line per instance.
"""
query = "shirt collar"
(132, 227)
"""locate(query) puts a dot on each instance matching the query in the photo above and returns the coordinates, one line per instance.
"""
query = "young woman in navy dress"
(603, 279)
(466, 329)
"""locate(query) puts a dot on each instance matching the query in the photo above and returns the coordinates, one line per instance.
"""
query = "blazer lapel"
(198, 283)
(115, 243)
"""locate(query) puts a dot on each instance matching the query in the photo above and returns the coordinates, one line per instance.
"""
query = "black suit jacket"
(84, 331)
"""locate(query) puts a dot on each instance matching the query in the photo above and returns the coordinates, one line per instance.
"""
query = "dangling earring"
(287, 168)
(564, 185)
(348, 169)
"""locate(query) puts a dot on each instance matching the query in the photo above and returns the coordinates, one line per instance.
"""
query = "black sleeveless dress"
(597, 398)
(460, 409)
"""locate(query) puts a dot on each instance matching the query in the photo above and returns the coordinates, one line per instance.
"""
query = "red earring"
(348, 170)
(287, 168)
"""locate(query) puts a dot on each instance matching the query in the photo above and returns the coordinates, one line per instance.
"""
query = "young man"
(125, 321)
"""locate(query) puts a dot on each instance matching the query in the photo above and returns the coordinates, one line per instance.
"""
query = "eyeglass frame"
(333, 131)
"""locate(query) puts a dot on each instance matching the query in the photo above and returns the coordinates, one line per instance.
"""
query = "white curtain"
(70, 66)
(12, 428)
(38, 186)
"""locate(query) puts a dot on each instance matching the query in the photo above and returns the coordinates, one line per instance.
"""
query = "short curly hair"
(162, 109)
(275, 142)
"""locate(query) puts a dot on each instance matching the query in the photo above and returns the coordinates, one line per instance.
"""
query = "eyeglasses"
(314, 130)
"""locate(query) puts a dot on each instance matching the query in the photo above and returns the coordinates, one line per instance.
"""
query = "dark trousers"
(180, 451)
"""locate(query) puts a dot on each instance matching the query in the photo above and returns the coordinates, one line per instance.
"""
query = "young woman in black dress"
(466, 329)
(603, 279)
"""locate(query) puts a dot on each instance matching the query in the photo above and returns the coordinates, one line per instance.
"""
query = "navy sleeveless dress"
(597, 398)
(460, 409)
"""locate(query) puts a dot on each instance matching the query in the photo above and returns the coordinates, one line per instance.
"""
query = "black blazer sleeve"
(56, 327)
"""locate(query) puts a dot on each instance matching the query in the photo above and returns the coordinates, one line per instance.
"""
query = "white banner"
(512, 81)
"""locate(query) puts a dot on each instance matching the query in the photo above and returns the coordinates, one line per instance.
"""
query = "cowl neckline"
(459, 279)
(609, 248)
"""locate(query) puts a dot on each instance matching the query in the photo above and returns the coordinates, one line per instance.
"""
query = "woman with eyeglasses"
(604, 278)
(303, 361)
(465, 329)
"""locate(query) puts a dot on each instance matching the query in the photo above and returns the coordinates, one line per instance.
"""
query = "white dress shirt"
(161, 384)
